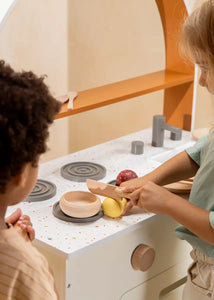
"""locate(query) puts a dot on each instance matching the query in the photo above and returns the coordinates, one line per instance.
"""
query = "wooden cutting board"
(180, 187)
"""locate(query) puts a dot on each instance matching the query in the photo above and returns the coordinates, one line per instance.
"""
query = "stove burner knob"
(142, 257)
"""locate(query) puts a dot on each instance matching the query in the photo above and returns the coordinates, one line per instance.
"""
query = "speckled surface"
(69, 238)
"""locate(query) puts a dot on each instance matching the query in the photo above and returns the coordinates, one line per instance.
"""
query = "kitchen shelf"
(176, 80)
(126, 89)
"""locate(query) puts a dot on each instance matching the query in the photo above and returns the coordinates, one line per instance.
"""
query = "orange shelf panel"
(123, 90)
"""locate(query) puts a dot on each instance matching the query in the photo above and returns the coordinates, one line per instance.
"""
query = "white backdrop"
(5, 8)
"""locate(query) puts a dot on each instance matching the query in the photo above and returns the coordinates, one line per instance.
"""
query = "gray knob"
(137, 147)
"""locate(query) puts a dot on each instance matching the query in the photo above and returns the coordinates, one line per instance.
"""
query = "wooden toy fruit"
(125, 175)
(114, 208)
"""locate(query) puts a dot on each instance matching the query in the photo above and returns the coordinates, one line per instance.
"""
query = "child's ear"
(20, 179)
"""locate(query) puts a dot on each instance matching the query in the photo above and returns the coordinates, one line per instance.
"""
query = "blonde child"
(196, 216)
(26, 111)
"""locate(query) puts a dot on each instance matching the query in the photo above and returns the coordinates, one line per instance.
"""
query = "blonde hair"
(197, 43)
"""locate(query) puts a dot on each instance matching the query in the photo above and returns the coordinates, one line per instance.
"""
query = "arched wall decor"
(177, 99)
(176, 79)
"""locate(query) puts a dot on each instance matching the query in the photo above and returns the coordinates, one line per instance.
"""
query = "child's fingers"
(128, 189)
(24, 218)
(14, 217)
(134, 199)
(31, 232)
(127, 208)
(25, 222)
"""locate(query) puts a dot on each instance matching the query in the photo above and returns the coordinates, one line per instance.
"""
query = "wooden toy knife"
(107, 190)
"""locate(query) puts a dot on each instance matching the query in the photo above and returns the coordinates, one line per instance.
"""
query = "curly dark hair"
(26, 110)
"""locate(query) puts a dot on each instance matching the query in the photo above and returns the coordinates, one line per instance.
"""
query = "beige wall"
(82, 44)
(35, 38)
(109, 41)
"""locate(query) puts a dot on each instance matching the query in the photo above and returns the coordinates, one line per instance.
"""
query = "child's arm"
(179, 167)
(156, 199)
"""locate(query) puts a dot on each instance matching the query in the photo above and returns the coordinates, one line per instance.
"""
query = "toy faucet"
(159, 125)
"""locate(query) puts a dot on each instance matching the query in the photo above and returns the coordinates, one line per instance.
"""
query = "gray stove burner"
(113, 182)
(43, 190)
(58, 213)
(81, 170)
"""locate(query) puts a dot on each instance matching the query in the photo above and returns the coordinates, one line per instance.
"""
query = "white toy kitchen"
(92, 261)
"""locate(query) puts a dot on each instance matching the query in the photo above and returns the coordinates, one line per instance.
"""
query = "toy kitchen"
(135, 256)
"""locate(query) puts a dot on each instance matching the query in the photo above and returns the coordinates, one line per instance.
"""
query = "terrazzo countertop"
(68, 239)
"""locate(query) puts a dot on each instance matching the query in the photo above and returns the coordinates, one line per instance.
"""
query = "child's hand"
(129, 187)
(129, 205)
(23, 222)
(152, 198)
(133, 184)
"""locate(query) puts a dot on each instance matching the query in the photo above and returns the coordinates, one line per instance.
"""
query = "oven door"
(166, 286)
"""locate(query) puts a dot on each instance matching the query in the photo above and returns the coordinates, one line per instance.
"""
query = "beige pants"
(200, 279)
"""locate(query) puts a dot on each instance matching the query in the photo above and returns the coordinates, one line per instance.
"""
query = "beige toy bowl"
(80, 204)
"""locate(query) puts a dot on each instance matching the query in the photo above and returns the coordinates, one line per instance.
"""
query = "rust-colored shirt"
(24, 271)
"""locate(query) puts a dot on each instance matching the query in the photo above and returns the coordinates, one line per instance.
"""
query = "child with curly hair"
(26, 111)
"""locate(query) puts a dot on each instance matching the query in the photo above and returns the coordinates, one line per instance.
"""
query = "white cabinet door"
(166, 286)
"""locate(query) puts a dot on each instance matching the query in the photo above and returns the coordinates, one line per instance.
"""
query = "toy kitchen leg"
(103, 271)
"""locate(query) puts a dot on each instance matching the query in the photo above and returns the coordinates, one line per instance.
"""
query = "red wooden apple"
(125, 175)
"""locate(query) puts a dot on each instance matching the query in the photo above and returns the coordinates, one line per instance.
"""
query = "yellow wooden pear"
(114, 208)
